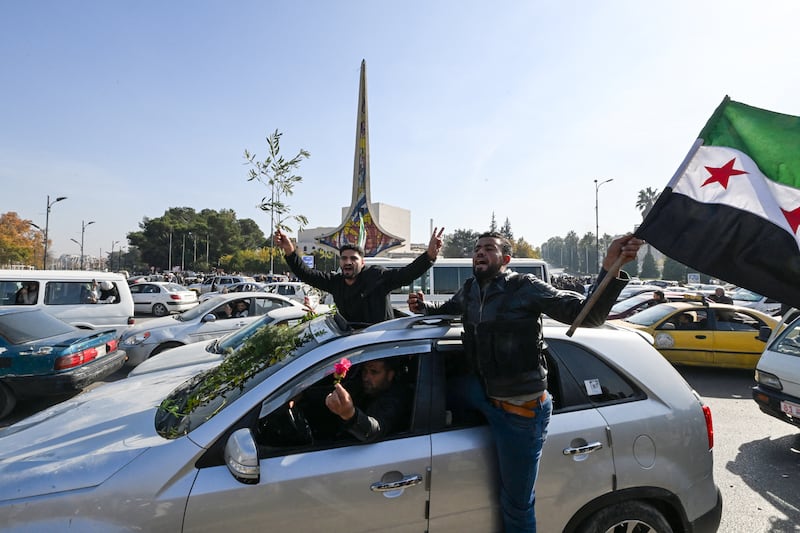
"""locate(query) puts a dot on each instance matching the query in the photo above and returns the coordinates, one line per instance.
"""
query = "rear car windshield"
(19, 328)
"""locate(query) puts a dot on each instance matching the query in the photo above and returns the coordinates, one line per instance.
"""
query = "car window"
(296, 416)
(18, 328)
(265, 305)
(210, 392)
(789, 341)
(577, 379)
(731, 320)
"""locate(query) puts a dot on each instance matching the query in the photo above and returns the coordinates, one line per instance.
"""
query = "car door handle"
(583, 450)
(699, 336)
(407, 481)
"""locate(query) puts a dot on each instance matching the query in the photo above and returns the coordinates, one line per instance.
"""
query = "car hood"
(181, 356)
(82, 442)
(156, 323)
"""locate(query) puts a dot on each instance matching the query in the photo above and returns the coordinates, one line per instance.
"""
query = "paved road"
(756, 457)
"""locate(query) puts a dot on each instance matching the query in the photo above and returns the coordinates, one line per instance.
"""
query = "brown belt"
(524, 409)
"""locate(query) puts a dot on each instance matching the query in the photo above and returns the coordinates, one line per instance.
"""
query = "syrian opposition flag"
(732, 210)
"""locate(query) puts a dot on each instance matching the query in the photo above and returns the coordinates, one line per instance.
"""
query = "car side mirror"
(667, 325)
(763, 333)
(211, 317)
(241, 457)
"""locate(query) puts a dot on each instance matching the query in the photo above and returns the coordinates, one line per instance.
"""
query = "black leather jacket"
(531, 298)
(367, 300)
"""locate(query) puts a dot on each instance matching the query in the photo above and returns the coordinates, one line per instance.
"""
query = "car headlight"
(768, 380)
(138, 338)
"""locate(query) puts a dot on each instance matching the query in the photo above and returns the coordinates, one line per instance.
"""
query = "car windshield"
(744, 295)
(630, 303)
(231, 342)
(18, 328)
(174, 287)
(789, 340)
(208, 393)
(650, 316)
(201, 310)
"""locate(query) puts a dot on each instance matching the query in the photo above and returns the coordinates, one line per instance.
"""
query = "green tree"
(571, 254)
(649, 268)
(645, 201)
(460, 243)
(506, 232)
(277, 173)
(674, 271)
(523, 249)
(493, 223)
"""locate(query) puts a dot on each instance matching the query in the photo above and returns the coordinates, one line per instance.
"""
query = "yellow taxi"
(703, 333)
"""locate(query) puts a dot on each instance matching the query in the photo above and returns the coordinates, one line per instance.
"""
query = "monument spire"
(360, 226)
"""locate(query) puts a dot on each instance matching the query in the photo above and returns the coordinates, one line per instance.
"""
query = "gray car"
(246, 444)
(206, 321)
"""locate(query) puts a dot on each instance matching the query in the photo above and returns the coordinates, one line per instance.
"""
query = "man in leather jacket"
(361, 293)
(501, 313)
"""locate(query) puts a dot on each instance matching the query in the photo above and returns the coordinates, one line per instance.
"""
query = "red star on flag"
(793, 218)
(722, 174)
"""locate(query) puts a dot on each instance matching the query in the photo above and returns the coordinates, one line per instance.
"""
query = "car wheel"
(7, 400)
(160, 310)
(635, 516)
(164, 347)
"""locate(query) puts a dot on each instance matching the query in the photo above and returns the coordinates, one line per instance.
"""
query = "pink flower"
(340, 370)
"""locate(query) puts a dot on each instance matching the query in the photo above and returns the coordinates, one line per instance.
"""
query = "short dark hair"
(660, 294)
(505, 245)
(356, 248)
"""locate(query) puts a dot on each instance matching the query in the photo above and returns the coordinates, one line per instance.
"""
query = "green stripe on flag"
(771, 139)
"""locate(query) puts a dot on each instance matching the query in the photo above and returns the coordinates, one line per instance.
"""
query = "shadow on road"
(719, 382)
(764, 467)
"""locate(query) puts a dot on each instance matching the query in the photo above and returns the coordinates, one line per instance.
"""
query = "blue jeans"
(519, 442)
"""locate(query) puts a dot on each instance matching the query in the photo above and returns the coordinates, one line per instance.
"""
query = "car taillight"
(76, 359)
(111, 346)
(131, 320)
(175, 296)
(709, 426)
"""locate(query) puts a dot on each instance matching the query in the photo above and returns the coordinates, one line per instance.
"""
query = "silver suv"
(247, 444)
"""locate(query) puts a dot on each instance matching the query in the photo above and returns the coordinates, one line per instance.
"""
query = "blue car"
(41, 355)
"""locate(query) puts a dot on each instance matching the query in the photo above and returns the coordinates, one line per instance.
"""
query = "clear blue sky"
(129, 108)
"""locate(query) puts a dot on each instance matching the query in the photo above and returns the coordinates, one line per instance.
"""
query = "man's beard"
(488, 273)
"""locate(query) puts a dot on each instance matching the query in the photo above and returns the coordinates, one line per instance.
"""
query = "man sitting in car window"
(381, 408)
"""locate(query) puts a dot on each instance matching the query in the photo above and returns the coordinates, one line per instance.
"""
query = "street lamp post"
(597, 221)
(183, 253)
(47, 226)
(83, 232)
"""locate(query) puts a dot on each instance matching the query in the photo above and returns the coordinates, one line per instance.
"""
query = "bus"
(448, 274)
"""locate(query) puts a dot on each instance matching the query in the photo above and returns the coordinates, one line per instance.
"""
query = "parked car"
(747, 298)
(216, 283)
(162, 298)
(215, 350)
(244, 286)
(42, 355)
(629, 444)
(640, 302)
(633, 290)
(206, 321)
(296, 290)
(68, 295)
(777, 390)
(703, 334)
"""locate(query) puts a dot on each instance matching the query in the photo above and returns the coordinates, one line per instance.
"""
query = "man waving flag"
(732, 210)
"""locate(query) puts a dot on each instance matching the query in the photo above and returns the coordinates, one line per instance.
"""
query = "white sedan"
(161, 298)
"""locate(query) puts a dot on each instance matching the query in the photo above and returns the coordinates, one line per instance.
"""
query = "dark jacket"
(379, 416)
(367, 300)
(531, 299)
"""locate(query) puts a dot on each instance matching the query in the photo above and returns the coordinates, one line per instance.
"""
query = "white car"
(296, 290)
(209, 320)
(242, 286)
(161, 298)
(777, 390)
(747, 298)
(214, 351)
(216, 283)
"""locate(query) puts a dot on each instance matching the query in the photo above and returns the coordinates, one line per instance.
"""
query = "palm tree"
(647, 198)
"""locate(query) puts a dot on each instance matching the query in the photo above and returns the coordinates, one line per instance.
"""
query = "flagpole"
(595, 295)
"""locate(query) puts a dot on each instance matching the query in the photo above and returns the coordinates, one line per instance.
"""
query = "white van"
(85, 299)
